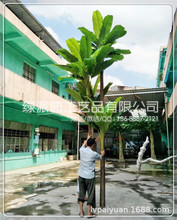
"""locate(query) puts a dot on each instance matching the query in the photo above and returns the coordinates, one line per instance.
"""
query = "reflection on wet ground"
(56, 194)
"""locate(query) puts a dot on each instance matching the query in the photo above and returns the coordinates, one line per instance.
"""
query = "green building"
(38, 113)
(167, 77)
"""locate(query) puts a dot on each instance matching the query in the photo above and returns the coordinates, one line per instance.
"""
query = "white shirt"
(87, 162)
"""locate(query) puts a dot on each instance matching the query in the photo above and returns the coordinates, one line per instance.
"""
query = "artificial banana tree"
(79, 94)
(89, 57)
(104, 37)
(84, 62)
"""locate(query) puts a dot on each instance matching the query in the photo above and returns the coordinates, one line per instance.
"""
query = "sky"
(147, 26)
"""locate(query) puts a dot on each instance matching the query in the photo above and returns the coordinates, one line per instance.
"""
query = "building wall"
(22, 45)
(161, 65)
(169, 80)
(25, 159)
(21, 89)
(14, 61)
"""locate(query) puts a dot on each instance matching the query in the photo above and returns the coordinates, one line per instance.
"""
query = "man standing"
(87, 174)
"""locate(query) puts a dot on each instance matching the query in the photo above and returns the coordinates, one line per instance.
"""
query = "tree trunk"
(121, 155)
(90, 131)
(153, 156)
(102, 174)
(102, 162)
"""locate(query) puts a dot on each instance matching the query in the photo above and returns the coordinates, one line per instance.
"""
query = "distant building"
(119, 88)
(38, 113)
(123, 88)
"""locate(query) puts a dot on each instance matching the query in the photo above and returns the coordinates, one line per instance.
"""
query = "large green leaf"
(117, 32)
(85, 47)
(82, 88)
(89, 34)
(105, 90)
(122, 51)
(97, 20)
(116, 54)
(76, 95)
(106, 27)
(101, 119)
(96, 85)
(102, 66)
(74, 47)
(108, 109)
(75, 68)
(67, 55)
(103, 53)
(91, 123)
(116, 57)
(90, 64)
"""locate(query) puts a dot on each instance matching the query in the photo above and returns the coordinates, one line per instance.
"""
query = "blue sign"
(36, 139)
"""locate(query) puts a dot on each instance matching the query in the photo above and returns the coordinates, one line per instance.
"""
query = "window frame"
(55, 83)
(29, 72)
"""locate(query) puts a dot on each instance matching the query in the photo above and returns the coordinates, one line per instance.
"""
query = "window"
(15, 140)
(14, 133)
(67, 140)
(47, 135)
(55, 87)
(29, 72)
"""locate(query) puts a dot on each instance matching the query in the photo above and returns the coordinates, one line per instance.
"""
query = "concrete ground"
(49, 191)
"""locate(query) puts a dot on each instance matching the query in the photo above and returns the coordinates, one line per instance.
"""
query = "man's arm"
(97, 138)
(98, 156)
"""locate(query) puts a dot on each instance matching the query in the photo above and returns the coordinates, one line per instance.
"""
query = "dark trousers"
(87, 185)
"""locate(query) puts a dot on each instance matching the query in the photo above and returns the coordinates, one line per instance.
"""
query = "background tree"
(119, 127)
(145, 125)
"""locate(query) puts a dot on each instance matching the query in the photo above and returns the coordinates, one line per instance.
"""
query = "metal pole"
(78, 141)
(102, 161)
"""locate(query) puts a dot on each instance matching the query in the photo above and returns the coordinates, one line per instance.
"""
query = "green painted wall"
(21, 160)
(20, 50)
(16, 52)
(13, 60)
(43, 79)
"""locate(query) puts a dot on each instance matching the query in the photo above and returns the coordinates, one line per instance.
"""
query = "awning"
(25, 15)
(19, 105)
(140, 98)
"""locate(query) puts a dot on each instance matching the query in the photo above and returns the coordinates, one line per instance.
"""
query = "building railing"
(21, 89)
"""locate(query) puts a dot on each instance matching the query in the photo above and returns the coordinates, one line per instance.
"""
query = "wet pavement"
(52, 193)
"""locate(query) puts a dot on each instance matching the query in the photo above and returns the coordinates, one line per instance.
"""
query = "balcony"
(21, 89)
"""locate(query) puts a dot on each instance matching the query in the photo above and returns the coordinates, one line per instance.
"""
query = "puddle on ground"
(35, 209)
(43, 187)
(65, 208)
(113, 167)
(156, 173)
